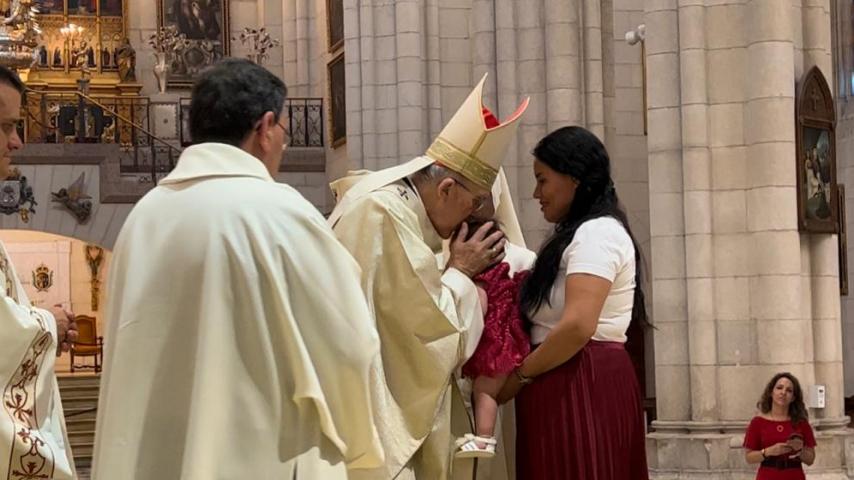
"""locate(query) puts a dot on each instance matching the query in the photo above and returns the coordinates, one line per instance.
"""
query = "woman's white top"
(601, 247)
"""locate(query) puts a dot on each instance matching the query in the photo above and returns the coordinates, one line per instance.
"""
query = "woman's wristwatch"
(523, 380)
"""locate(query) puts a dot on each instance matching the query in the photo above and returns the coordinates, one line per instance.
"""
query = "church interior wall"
(101, 228)
(80, 277)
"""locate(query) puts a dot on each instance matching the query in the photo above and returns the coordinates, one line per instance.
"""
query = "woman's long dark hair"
(797, 410)
(576, 152)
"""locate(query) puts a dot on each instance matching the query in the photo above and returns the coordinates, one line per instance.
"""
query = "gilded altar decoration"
(78, 47)
(75, 199)
(94, 257)
(16, 196)
(19, 34)
(42, 278)
(259, 41)
(103, 26)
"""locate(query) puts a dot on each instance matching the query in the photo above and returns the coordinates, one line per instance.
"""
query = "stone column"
(667, 222)
(408, 69)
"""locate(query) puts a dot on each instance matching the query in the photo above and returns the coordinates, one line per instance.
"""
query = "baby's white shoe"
(467, 447)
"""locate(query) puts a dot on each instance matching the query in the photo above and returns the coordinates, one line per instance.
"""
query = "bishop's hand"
(474, 254)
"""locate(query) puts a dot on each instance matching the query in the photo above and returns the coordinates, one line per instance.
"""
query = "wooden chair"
(88, 343)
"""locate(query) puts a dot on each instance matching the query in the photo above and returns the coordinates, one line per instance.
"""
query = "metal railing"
(76, 117)
(305, 121)
(133, 122)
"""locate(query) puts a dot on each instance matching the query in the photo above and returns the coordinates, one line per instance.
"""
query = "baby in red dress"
(502, 346)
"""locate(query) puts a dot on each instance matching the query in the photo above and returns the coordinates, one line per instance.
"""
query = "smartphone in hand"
(796, 443)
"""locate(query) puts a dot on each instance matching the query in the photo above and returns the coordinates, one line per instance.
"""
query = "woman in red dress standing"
(780, 439)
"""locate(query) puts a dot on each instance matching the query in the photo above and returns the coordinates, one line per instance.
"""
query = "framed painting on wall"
(335, 24)
(337, 102)
(843, 243)
(204, 23)
(818, 198)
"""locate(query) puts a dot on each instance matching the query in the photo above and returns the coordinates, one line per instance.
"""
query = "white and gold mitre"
(474, 142)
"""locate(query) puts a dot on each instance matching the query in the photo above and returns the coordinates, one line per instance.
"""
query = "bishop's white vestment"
(429, 322)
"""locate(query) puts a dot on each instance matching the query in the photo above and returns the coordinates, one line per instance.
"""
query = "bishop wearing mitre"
(429, 319)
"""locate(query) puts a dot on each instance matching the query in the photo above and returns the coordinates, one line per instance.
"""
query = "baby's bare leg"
(486, 391)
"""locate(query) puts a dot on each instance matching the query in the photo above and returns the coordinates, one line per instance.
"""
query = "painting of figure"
(204, 25)
(816, 175)
(338, 102)
(111, 8)
(197, 19)
(815, 155)
(82, 7)
(52, 7)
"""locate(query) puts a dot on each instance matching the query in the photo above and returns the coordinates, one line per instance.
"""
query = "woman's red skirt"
(583, 420)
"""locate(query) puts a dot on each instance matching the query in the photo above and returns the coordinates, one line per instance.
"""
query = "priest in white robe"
(33, 440)
(239, 339)
(429, 320)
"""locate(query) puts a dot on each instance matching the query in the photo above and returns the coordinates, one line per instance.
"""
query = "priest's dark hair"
(230, 98)
(576, 152)
(10, 78)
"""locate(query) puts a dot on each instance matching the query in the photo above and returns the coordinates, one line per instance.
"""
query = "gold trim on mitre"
(471, 148)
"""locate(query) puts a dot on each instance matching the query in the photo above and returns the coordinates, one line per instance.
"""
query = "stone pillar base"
(686, 455)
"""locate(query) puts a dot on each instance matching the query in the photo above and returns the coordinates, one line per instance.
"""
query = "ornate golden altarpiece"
(105, 27)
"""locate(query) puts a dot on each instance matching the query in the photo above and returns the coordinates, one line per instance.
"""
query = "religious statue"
(75, 199)
(90, 57)
(106, 57)
(57, 57)
(43, 56)
(80, 58)
(126, 61)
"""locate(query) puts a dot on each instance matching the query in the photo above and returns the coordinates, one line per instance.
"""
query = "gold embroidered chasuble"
(33, 440)
(239, 341)
(424, 318)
